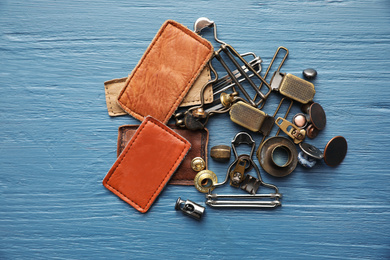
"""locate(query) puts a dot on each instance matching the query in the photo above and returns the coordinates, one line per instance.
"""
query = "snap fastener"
(300, 120)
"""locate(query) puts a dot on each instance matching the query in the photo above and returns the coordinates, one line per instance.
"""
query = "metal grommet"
(281, 156)
(198, 164)
(205, 180)
(267, 156)
(300, 120)
(335, 151)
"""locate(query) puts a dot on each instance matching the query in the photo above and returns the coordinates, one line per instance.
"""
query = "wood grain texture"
(57, 141)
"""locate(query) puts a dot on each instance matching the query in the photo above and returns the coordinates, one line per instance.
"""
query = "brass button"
(198, 164)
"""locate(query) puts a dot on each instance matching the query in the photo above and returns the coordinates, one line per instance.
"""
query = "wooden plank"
(57, 141)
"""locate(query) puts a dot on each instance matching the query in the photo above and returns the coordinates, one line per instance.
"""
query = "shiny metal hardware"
(296, 133)
(247, 116)
(316, 115)
(190, 121)
(300, 120)
(238, 201)
(311, 131)
(248, 165)
(249, 184)
(278, 156)
(309, 73)
(205, 181)
(198, 164)
(334, 152)
(220, 153)
(237, 175)
(277, 52)
(293, 87)
(190, 208)
(234, 57)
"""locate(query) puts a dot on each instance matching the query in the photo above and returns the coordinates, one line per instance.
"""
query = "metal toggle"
(190, 208)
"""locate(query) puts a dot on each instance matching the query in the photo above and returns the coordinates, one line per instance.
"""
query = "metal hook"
(204, 22)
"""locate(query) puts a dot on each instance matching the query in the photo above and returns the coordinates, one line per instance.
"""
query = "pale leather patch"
(114, 87)
(193, 96)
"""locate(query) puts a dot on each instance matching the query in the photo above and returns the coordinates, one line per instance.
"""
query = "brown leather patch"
(184, 174)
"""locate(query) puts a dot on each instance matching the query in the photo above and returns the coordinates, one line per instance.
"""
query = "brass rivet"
(198, 164)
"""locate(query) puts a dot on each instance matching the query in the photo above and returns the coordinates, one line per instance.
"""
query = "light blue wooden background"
(57, 142)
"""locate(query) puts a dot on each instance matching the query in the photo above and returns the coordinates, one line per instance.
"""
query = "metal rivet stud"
(198, 164)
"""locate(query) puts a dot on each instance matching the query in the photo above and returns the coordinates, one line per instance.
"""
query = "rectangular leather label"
(184, 174)
(146, 164)
(165, 73)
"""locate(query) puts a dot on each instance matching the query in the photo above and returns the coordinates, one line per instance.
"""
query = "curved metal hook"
(204, 22)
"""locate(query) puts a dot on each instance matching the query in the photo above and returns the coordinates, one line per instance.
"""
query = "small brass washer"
(204, 181)
(198, 164)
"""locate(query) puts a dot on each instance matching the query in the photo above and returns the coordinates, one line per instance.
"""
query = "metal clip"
(247, 116)
(238, 173)
(249, 184)
(296, 133)
(293, 87)
(234, 57)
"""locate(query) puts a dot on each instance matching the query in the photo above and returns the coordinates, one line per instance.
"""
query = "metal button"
(309, 73)
(317, 116)
(335, 151)
(198, 164)
(311, 131)
(300, 120)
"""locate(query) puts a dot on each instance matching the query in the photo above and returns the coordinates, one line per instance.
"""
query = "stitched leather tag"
(146, 164)
(184, 174)
(165, 73)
